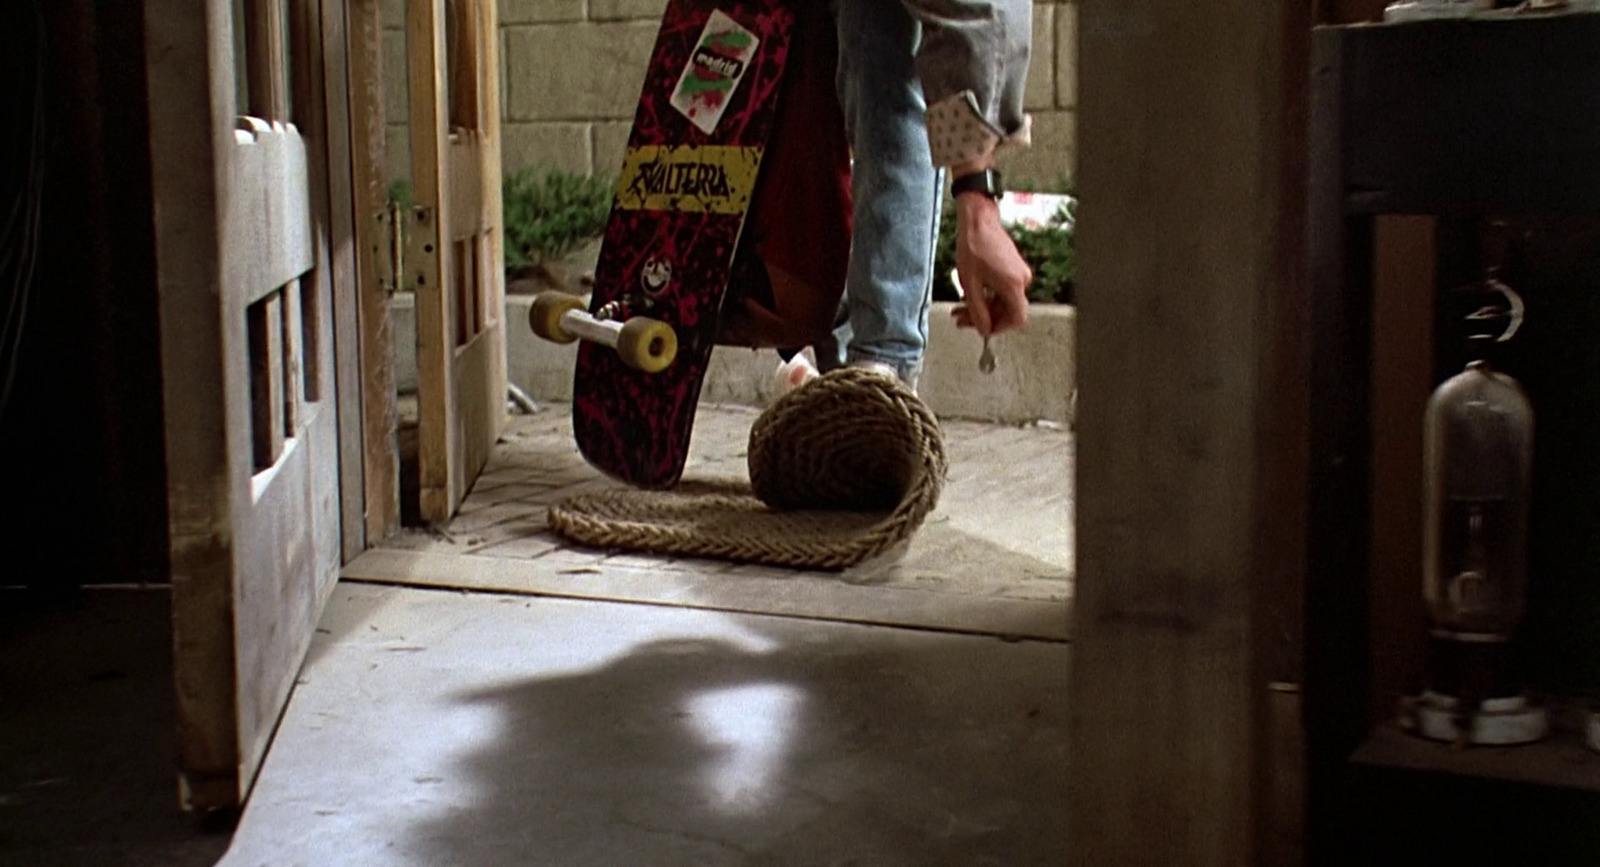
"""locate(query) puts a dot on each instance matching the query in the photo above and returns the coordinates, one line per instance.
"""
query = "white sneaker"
(885, 370)
(793, 373)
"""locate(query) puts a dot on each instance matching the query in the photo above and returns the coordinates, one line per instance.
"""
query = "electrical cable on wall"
(19, 235)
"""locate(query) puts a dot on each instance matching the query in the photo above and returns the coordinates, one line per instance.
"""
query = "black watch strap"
(987, 182)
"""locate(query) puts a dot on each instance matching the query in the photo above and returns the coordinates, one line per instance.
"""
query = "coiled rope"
(842, 468)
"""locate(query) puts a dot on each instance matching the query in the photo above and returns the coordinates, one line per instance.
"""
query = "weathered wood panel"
(1181, 273)
(255, 532)
(1402, 380)
(429, 257)
(468, 204)
(268, 186)
(379, 413)
(190, 130)
(343, 357)
(461, 380)
(491, 271)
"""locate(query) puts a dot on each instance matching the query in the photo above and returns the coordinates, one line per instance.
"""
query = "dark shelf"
(1486, 114)
(1560, 761)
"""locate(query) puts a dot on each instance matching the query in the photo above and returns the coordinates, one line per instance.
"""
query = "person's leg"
(895, 189)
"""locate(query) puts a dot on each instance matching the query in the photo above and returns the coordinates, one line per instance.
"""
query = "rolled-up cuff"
(957, 132)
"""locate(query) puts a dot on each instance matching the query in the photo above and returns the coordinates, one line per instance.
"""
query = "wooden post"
(379, 414)
(1191, 311)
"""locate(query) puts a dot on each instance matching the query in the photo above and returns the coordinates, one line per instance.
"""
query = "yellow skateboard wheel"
(646, 344)
(544, 317)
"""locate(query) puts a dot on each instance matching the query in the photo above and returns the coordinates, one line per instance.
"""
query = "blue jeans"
(883, 316)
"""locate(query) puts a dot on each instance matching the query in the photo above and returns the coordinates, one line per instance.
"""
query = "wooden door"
(252, 247)
(455, 258)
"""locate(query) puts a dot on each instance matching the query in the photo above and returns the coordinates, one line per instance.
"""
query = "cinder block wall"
(572, 70)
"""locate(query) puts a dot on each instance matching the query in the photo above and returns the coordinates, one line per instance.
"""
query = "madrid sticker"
(714, 71)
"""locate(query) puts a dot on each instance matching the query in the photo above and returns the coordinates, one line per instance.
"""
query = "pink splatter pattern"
(635, 426)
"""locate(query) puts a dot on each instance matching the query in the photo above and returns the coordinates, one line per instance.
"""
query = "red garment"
(799, 223)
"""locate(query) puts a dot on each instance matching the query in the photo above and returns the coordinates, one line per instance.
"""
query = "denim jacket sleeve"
(973, 64)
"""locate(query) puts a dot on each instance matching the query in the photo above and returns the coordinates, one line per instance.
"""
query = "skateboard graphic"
(688, 231)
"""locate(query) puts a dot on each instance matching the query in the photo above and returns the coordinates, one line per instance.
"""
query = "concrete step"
(1034, 379)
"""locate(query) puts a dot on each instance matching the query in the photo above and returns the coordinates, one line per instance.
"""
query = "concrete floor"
(88, 735)
(487, 695)
(480, 730)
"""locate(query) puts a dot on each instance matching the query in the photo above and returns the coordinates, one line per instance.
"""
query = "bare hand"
(993, 274)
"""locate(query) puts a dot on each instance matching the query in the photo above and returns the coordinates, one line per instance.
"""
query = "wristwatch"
(987, 182)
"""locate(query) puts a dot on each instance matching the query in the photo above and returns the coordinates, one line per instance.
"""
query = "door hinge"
(390, 254)
(421, 245)
(401, 228)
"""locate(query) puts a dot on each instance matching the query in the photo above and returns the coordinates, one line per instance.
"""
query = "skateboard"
(731, 161)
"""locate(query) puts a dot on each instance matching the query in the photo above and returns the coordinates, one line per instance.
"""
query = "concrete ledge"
(1033, 380)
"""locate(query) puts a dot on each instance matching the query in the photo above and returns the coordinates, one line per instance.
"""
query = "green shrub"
(549, 213)
(1049, 251)
(400, 193)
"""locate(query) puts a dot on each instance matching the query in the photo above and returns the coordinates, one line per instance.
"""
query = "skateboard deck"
(694, 156)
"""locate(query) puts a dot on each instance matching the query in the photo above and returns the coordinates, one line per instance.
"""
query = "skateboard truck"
(644, 344)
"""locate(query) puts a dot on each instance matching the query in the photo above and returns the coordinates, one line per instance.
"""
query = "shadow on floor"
(88, 736)
(900, 749)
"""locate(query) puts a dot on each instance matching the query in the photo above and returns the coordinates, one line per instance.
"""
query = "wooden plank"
(185, 117)
(286, 520)
(292, 347)
(379, 412)
(463, 288)
(1166, 736)
(267, 207)
(493, 269)
(480, 408)
(480, 368)
(321, 423)
(265, 327)
(344, 282)
(1402, 380)
(1281, 466)
(468, 171)
(428, 259)
(264, 59)
(1560, 761)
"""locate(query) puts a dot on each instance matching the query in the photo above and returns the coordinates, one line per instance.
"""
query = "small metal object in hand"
(985, 360)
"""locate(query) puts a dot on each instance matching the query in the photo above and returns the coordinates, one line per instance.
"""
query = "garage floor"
(487, 695)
